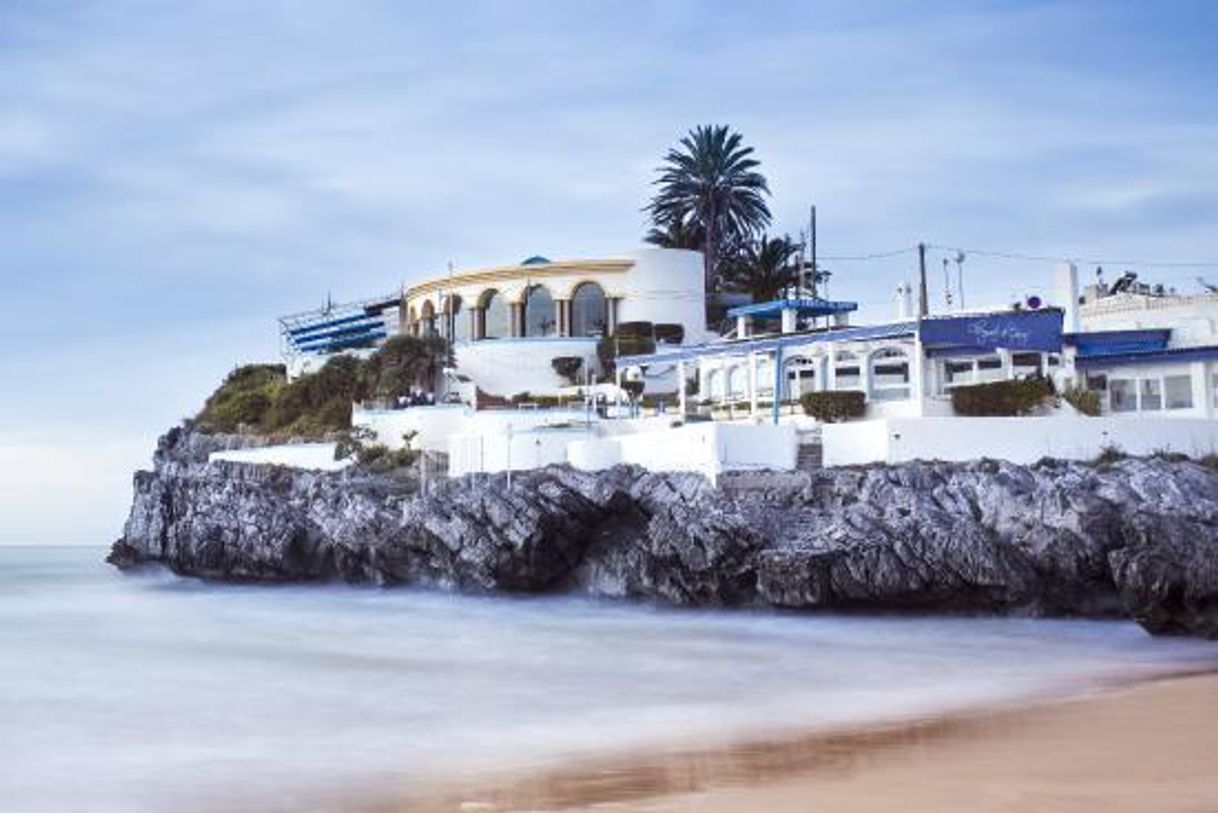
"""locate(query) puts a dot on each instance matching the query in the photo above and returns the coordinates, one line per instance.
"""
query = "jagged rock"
(1136, 538)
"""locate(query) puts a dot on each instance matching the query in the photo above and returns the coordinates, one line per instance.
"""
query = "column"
(779, 377)
(563, 309)
(917, 375)
(830, 367)
(753, 385)
(474, 324)
(865, 371)
(681, 387)
(517, 319)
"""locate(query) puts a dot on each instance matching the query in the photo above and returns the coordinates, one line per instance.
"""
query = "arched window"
(714, 385)
(456, 319)
(495, 319)
(427, 320)
(589, 310)
(412, 321)
(846, 373)
(539, 314)
(800, 375)
(889, 374)
(738, 382)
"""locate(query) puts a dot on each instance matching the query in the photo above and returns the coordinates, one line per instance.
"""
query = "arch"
(427, 319)
(800, 374)
(847, 370)
(540, 315)
(589, 310)
(714, 385)
(738, 381)
(888, 372)
(496, 323)
(456, 325)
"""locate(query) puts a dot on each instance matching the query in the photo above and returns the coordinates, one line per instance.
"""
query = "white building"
(508, 323)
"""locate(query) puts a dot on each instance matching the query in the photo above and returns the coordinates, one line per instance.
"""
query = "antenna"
(960, 275)
(947, 286)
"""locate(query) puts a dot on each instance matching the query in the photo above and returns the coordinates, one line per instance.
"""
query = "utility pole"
(923, 303)
(812, 247)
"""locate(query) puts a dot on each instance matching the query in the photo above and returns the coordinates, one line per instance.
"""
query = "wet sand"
(1144, 747)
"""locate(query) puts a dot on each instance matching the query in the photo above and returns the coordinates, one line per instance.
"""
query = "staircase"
(810, 453)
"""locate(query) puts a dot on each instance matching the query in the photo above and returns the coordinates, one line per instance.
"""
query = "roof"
(814, 306)
(741, 347)
(1173, 354)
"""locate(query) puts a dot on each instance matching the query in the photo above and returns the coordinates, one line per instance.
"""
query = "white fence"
(1019, 440)
(706, 448)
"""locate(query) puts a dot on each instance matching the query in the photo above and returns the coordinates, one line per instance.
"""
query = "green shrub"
(610, 347)
(243, 398)
(1000, 398)
(1109, 454)
(633, 388)
(1210, 461)
(834, 406)
(636, 330)
(1085, 401)
(568, 367)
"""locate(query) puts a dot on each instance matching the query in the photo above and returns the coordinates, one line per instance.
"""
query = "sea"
(150, 692)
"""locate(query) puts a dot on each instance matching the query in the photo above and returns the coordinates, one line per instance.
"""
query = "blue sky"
(172, 176)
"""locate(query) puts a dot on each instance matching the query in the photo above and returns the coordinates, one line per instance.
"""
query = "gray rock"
(1137, 538)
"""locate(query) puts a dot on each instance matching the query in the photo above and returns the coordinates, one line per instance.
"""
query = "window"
(1122, 395)
(989, 368)
(889, 374)
(1178, 391)
(1025, 364)
(801, 375)
(495, 319)
(457, 327)
(1151, 394)
(956, 373)
(539, 314)
(427, 320)
(846, 371)
(589, 310)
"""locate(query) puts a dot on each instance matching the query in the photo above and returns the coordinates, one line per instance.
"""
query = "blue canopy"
(804, 307)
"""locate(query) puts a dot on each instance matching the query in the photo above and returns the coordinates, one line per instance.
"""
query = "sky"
(173, 176)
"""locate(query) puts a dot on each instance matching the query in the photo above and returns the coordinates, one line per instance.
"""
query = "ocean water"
(155, 693)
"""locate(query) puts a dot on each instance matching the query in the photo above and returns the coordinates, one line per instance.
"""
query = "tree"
(710, 183)
(676, 235)
(765, 267)
(403, 362)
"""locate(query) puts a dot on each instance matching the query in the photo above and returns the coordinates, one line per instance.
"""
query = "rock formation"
(1138, 537)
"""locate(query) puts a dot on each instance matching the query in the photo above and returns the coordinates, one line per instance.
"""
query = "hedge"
(834, 406)
(1001, 398)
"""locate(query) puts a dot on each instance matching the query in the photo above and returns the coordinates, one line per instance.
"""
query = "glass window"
(956, 373)
(496, 321)
(989, 368)
(1178, 391)
(1152, 394)
(1122, 395)
(589, 310)
(539, 314)
(1025, 364)
(457, 328)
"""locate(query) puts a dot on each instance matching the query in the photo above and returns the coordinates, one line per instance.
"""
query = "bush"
(1110, 454)
(568, 367)
(834, 406)
(636, 330)
(243, 398)
(1000, 398)
(1085, 401)
(610, 347)
(633, 388)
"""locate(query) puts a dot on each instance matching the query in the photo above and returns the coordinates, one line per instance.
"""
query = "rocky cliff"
(1136, 537)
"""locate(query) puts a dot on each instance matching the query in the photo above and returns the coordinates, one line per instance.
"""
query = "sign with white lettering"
(1039, 330)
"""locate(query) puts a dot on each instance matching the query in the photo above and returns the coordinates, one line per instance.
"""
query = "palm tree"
(676, 234)
(710, 183)
(765, 267)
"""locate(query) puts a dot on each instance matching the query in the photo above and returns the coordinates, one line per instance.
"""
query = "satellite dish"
(1034, 303)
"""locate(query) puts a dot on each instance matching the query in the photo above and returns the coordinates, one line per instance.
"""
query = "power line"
(1015, 255)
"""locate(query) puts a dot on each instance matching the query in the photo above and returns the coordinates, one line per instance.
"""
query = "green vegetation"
(610, 347)
(1086, 402)
(1110, 454)
(1001, 398)
(709, 188)
(834, 407)
(669, 333)
(765, 267)
(358, 442)
(633, 389)
(258, 398)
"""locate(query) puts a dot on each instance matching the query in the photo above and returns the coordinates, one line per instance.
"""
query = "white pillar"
(1066, 279)
(742, 327)
(830, 382)
(917, 375)
(681, 386)
(753, 385)
(788, 320)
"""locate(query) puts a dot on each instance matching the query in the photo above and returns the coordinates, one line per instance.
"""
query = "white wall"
(705, 448)
(435, 424)
(508, 366)
(471, 453)
(1019, 440)
(318, 456)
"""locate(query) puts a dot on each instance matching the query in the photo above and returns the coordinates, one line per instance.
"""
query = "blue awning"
(1109, 342)
(804, 307)
(1174, 354)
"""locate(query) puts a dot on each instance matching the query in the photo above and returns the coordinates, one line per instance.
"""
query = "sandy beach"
(1142, 747)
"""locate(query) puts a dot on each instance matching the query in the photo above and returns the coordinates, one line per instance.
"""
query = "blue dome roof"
(536, 259)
